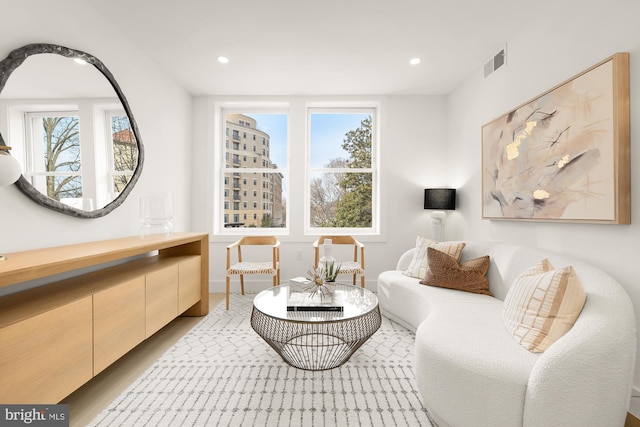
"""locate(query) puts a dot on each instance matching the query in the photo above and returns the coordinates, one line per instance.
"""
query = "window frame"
(222, 110)
(96, 144)
(374, 169)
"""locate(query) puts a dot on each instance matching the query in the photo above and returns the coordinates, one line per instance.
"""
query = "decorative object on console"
(439, 200)
(565, 155)
(9, 172)
(156, 211)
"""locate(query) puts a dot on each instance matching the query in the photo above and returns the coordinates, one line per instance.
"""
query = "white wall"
(544, 54)
(161, 109)
(413, 146)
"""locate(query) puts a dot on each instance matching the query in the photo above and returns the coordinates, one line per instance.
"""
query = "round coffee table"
(316, 340)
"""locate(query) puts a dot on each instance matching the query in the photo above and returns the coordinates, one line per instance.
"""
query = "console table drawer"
(162, 298)
(118, 321)
(46, 357)
(189, 283)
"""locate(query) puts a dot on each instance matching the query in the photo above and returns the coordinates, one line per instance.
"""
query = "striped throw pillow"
(419, 263)
(542, 305)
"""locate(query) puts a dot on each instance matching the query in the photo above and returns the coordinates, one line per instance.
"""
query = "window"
(124, 151)
(82, 155)
(272, 127)
(54, 153)
(341, 170)
(334, 167)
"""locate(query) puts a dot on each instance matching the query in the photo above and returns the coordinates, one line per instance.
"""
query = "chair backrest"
(258, 240)
(339, 240)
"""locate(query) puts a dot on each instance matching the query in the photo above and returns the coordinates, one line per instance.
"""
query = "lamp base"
(437, 225)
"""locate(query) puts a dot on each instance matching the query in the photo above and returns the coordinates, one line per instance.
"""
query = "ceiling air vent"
(495, 62)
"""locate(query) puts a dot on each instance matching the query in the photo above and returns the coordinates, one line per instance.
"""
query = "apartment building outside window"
(246, 172)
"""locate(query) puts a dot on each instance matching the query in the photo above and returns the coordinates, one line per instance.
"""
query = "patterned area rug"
(222, 373)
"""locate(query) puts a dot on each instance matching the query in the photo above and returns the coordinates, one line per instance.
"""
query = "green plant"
(331, 271)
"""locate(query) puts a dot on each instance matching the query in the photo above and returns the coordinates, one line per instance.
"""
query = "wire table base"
(314, 340)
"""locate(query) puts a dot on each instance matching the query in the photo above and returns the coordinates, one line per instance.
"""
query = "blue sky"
(328, 131)
(327, 135)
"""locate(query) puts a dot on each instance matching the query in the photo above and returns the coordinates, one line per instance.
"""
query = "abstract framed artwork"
(563, 156)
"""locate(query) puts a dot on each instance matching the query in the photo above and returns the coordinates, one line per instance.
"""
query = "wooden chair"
(251, 267)
(354, 267)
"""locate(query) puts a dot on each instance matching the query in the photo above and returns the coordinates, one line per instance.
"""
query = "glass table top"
(356, 301)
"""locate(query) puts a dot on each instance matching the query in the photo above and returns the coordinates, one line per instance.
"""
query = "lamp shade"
(9, 169)
(440, 198)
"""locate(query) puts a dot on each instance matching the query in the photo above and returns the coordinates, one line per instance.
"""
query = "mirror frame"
(13, 61)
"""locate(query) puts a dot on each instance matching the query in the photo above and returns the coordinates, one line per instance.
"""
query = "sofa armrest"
(405, 260)
(590, 367)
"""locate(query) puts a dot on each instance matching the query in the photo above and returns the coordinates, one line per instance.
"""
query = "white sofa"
(472, 373)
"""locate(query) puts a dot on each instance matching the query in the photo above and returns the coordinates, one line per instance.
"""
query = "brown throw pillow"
(419, 266)
(445, 272)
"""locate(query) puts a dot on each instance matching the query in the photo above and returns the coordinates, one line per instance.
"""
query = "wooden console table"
(57, 336)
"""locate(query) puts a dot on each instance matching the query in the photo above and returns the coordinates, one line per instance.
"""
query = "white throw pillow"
(419, 264)
(542, 305)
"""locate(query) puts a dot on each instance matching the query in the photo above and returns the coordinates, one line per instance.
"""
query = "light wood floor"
(89, 400)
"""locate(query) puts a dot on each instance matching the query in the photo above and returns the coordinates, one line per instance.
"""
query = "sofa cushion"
(542, 305)
(419, 264)
(464, 354)
(445, 272)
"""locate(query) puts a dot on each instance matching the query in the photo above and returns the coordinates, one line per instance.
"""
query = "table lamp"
(439, 200)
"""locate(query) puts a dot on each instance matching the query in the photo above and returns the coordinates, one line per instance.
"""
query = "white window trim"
(221, 109)
(296, 106)
(337, 108)
(93, 115)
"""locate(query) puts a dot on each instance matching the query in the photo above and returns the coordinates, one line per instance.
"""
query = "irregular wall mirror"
(70, 128)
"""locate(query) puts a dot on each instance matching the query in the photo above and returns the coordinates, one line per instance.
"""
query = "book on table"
(303, 301)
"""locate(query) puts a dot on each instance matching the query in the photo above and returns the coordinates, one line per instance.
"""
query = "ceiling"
(321, 47)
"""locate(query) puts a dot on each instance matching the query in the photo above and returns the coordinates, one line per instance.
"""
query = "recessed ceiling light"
(415, 61)
(223, 59)
(80, 61)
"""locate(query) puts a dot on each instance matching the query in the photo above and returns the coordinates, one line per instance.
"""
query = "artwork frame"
(563, 156)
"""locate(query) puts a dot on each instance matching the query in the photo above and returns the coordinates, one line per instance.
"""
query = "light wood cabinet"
(118, 321)
(188, 282)
(162, 297)
(57, 336)
(47, 356)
